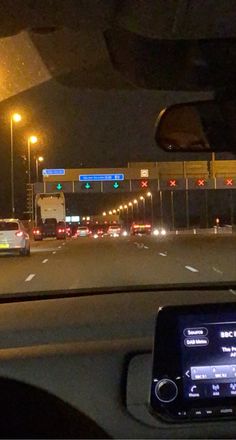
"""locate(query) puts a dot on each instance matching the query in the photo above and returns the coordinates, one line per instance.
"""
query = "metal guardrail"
(212, 231)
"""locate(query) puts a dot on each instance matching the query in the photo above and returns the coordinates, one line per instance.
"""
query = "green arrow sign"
(59, 186)
(87, 185)
(116, 185)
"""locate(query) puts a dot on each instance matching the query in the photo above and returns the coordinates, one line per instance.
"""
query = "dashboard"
(95, 354)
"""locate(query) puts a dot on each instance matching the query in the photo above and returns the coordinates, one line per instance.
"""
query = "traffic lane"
(119, 262)
(15, 269)
(112, 262)
(85, 263)
(204, 253)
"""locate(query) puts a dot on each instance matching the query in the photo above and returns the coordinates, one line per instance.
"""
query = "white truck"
(50, 216)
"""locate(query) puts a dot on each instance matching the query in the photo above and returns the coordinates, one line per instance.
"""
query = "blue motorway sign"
(53, 172)
(100, 177)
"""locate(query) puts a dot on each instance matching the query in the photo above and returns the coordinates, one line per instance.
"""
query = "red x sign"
(201, 182)
(144, 183)
(229, 182)
(172, 182)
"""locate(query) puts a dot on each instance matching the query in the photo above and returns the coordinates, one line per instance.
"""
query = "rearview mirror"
(205, 126)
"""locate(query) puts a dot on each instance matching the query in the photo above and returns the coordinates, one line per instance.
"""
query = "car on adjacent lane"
(141, 228)
(159, 231)
(13, 237)
(83, 231)
(114, 231)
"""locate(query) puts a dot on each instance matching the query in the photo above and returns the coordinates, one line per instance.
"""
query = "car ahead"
(159, 231)
(45, 229)
(114, 231)
(83, 231)
(61, 231)
(141, 229)
(98, 231)
(50, 228)
(13, 237)
(68, 230)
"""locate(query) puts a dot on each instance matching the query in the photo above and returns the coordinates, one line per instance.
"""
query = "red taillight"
(19, 234)
(141, 226)
(61, 230)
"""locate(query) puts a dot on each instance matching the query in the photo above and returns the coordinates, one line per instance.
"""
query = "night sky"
(90, 128)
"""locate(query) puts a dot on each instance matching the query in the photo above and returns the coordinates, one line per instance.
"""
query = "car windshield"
(103, 206)
(8, 226)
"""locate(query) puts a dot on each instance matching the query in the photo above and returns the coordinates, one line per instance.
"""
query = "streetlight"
(114, 211)
(127, 214)
(110, 212)
(135, 202)
(132, 209)
(15, 118)
(38, 159)
(104, 214)
(31, 140)
(144, 207)
(149, 194)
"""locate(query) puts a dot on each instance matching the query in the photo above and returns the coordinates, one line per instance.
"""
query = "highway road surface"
(127, 261)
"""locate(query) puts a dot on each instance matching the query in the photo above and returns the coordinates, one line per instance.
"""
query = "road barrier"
(196, 231)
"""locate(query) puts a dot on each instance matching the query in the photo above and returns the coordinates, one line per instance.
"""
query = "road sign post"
(161, 206)
(30, 200)
(172, 209)
(231, 207)
(206, 208)
(187, 207)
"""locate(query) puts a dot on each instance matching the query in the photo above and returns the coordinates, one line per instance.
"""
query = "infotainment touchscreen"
(208, 355)
(194, 362)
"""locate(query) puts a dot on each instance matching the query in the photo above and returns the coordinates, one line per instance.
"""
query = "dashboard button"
(166, 390)
(182, 414)
(227, 411)
(198, 412)
(201, 413)
(209, 412)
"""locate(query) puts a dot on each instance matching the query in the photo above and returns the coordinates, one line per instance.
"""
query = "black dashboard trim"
(57, 294)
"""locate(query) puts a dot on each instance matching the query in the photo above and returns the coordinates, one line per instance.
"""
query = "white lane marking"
(59, 247)
(54, 252)
(140, 245)
(217, 270)
(63, 244)
(40, 250)
(232, 291)
(45, 261)
(162, 254)
(30, 277)
(192, 269)
(146, 247)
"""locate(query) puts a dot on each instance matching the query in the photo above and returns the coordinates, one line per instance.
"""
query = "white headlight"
(163, 232)
(125, 233)
(156, 232)
(95, 236)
